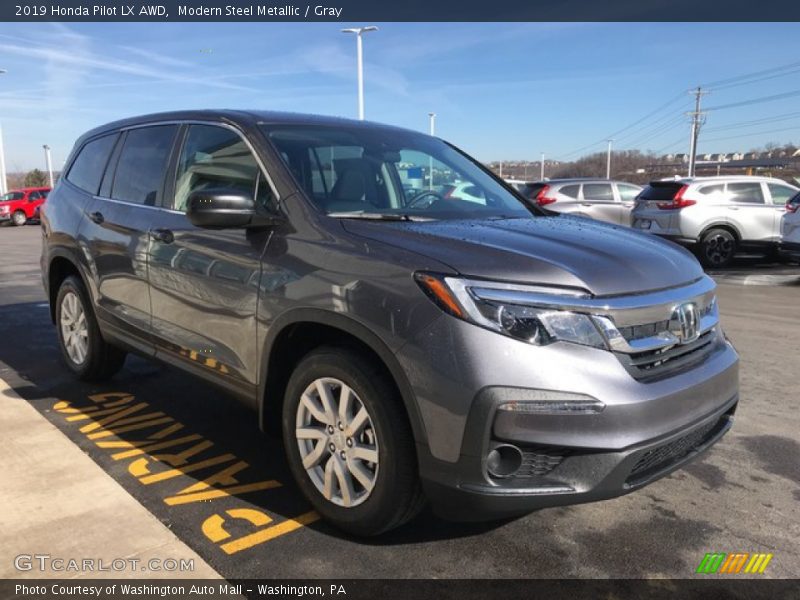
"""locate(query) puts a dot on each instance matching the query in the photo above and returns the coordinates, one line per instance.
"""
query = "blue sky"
(502, 91)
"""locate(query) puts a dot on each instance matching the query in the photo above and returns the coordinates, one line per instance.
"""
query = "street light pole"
(541, 165)
(3, 181)
(608, 160)
(49, 163)
(432, 117)
(360, 52)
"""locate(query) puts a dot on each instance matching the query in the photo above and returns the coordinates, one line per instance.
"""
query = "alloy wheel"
(337, 442)
(74, 328)
(19, 218)
(718, 249)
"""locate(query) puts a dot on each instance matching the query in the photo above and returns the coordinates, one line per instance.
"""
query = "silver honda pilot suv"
(410, 346)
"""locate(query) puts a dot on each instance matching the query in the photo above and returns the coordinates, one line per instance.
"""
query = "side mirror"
(220, 208)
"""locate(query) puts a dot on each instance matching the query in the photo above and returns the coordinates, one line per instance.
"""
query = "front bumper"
(5, 217)
(568, 458)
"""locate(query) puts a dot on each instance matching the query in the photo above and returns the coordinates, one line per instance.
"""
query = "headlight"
(511, 310)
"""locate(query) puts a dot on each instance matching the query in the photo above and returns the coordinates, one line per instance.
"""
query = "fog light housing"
(504, 461)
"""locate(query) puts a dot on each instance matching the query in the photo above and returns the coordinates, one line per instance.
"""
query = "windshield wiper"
(376, 216)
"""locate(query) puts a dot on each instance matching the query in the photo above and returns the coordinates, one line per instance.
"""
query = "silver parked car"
(716, 216)
(601, 199)
(790, 229)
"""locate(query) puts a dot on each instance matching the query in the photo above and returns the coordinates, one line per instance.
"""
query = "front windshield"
(11, 196)
(376, 171)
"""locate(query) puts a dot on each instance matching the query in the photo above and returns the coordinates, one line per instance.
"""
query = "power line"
(756, 100)
(773, 119)
(732, 81)
(752, 133)
(626, 128)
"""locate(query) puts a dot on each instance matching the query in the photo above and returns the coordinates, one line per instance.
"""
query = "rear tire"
(717, 248)
(360, 470)
(84, 350)
(19, 218)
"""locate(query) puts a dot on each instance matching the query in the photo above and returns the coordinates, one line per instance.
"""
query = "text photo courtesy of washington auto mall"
(327, 300)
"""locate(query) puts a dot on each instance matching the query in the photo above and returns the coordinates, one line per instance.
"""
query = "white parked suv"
(716, 216)
(790, 229)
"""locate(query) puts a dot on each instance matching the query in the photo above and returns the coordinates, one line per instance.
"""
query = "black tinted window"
(215, 157)
(87, 168)
(142, 163)
(570, 190)
(598, 191)
(660, 190)
(750, 193)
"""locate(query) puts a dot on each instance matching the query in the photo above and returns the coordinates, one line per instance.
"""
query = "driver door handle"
(96, 217)
(162, 235)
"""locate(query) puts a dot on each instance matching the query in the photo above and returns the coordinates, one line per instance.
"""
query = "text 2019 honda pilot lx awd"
(482, 356)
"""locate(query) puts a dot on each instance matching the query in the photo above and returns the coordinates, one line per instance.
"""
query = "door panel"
(203, 282)
(117, 229)
(749, 213)
(599, 203)
(117, 238)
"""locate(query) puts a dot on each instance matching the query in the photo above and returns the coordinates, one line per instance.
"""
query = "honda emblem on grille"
(684, 323)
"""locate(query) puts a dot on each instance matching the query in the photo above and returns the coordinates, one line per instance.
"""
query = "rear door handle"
(586, 203)
(162, 235)
(97, 217)
(733, 208)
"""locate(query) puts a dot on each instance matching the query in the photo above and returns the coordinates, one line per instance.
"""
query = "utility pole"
(541, 168)
(49, 163)
(698, 118)
(608, 160)
(501, 168)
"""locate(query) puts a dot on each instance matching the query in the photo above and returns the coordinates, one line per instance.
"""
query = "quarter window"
(87, 168)
(780, 193)
(570, 191)
(142, 163)
(628, 192)
(748, 193)
(216, 157)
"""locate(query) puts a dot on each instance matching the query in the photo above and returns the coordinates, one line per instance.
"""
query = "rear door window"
(598, 191)
(142, 164)
(746, 193)
(87, 168)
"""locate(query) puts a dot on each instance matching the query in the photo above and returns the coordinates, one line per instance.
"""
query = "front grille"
(662, 457)
(637, 332)
(540, 460)
(655, 364)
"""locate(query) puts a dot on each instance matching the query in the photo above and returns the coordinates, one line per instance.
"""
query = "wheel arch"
(717, 225)
(60, 266)
(296, 333)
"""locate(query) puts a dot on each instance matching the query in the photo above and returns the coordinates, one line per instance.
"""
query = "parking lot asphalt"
(226, 492)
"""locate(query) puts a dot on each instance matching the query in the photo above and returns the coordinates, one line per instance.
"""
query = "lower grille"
(540, 460)
(661, 363)
(659, 458)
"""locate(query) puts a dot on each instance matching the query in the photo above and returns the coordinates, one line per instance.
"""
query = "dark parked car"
(481, 355)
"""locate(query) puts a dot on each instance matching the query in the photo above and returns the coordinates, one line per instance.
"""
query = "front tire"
(349, 444)
(84, 350)
(717, 248)
(19, 218)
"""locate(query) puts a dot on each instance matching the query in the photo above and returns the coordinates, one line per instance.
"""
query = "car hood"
(576, 252)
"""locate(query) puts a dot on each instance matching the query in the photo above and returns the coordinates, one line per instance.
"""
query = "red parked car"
(21, 205)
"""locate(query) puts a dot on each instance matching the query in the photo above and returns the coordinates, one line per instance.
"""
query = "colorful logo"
(731, 564)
